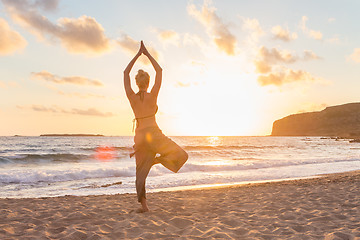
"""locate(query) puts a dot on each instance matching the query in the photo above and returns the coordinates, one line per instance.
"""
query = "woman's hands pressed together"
(143, 49)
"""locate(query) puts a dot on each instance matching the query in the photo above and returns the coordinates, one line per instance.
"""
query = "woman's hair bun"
(142, 79)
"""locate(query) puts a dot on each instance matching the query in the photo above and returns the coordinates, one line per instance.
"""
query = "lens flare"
(105, 153)
(148, 137)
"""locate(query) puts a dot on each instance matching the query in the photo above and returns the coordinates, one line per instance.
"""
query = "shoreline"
(235, 184)
(325, 207)
(191, 187)
(194, 187)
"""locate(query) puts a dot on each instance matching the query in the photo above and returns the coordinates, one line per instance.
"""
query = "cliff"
(342, 120)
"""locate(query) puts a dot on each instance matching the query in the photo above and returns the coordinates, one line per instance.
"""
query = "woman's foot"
(144, 206)
(141, 210)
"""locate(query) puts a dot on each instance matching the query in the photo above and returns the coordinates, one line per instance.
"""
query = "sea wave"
(227, 147)
(247, 165)
(93, 149)
(83, 171)
(54, 175)
(5, 160)
(56, 158)
(118, 152)
(192, 147)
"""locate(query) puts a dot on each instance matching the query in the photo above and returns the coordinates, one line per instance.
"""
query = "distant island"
(338, 121)
(71, 135)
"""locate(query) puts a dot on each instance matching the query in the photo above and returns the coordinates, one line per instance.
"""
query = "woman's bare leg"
(144, 205)
(144, 161)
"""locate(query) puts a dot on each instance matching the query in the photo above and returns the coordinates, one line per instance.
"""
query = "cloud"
(283, 34)
(75, 111)
(91, 112)
(10, 84)
(311, 107)
(309, 55)
(129, 44)
(47, 5)
(182, 84)
(168, 36)
(274, 55)
(355, 56)
(284, 76)
(309, 32)
(78, 35)
(254, 27)
(262, 67)
(77, 80)
(216, 29)
(132, 46)
(10, 40)
(330, 20)
(269, 64)
(333, 40)
(194, 40)
(82, 35)
(315, 35)
(266, 58)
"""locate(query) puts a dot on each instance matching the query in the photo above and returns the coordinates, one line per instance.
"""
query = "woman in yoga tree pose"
(149, 140)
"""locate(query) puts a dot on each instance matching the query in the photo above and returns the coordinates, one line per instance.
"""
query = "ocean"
(58, 166)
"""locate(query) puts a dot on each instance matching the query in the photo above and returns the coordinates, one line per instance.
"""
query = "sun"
(216, 108)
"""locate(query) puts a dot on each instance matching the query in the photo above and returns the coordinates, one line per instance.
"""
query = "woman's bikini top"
(141, 94)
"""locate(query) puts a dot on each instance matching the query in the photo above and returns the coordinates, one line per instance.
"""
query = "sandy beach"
(320, 208)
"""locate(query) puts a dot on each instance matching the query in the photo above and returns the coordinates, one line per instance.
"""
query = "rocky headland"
(335, 121)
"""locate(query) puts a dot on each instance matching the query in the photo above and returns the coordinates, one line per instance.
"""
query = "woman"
(149, 140)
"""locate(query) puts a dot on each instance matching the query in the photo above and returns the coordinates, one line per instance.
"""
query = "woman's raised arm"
(127, 84)
(158, 77)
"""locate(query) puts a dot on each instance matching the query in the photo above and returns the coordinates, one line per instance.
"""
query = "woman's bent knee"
(182, 155)
(186, 155)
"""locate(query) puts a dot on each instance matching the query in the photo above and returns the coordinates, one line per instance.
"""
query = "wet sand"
(319, 208)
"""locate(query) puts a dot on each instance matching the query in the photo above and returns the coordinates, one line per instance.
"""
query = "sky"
(230, 67)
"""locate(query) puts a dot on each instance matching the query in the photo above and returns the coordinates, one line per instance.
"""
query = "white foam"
(35, 175)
